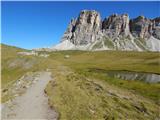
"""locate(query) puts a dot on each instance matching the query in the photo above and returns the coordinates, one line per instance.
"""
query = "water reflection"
(128, 75)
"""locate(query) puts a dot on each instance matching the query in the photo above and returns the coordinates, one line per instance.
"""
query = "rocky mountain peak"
(141, 27)
(115, 32)
(116, 25)
(90, 17)
(141, 17)
(157, 21)
(156, 27)
(84, 29)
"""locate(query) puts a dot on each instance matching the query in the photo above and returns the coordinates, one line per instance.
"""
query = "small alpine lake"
(130, 75)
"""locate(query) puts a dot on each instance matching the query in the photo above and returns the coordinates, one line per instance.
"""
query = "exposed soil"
(33, 104)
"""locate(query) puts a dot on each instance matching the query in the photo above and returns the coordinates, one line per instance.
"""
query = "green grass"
(77, 96)
(111, 60)
(108, 42)
(9, 53)
(14, 66)
(77, 93)
(149, 90)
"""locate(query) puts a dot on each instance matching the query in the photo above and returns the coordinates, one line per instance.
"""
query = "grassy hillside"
(14, 66)
(78, 91)
(111, 60)
(8, 53)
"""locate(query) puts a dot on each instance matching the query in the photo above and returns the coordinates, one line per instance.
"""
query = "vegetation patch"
(108, 42)
(79, 92)
(76, 96)
(149, 90)
(97, 45)
(141, 43)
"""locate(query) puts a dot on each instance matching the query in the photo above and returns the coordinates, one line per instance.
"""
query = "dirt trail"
(33, 104)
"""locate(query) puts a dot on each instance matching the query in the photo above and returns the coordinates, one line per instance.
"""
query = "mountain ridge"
(116, 32)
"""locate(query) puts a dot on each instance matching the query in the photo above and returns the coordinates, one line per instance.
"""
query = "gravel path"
(33, 104)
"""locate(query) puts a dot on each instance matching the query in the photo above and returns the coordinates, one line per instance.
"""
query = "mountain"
(116, 32)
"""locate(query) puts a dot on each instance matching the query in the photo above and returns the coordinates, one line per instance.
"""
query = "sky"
(42, 24)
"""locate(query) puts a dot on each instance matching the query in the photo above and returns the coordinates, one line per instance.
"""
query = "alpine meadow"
(103, 68)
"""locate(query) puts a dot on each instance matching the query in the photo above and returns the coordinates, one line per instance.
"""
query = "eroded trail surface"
(33, 104)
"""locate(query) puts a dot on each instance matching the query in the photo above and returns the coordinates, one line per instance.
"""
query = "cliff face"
(84, 29)
(116, 25)
(118, 31)
(156, 28)
(141, 27)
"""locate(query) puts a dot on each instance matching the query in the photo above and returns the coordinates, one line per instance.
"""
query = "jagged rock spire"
(89, 27)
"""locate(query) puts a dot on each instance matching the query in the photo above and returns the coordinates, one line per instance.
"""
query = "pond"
(130, 75)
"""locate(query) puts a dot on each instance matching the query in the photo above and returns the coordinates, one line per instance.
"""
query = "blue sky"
(41, 24)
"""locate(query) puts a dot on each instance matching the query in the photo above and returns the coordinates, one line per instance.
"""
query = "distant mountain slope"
(117, 32)
(14, 65)
(9, 51)
(11, 67)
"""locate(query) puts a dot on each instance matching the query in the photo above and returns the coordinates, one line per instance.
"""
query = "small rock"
(1, 106)
(92, 111)
(27, 86)
(16, 95)
(66, 56)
